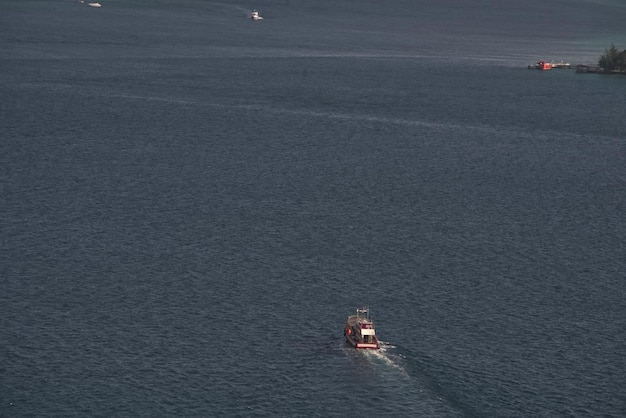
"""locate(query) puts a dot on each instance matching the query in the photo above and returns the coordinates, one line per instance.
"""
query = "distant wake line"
(268, 109)
(487, 129)
(229, 6)
(308, 113)
(343, 116)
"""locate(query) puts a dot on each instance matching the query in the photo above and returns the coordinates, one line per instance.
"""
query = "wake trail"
(385, 357)
(230, 7)
(276, 110)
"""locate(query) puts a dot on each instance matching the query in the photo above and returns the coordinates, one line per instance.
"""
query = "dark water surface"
(192, 203)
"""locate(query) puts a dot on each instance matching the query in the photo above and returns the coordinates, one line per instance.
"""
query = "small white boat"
(254, 15)
(359, 330)
(94, 4)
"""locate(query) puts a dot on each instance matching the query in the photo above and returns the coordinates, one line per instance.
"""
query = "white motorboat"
(254, 15)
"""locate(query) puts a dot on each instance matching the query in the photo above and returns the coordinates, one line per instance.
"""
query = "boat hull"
(544, 66)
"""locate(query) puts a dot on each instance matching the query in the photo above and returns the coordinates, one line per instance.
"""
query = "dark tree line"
(612, 60)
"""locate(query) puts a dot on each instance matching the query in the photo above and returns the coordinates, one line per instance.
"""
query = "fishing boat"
(541, 65)
(254, 15)
(359, 330)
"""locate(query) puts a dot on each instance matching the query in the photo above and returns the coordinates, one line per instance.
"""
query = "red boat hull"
(542, 65)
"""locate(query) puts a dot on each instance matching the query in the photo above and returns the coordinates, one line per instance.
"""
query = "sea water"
(193, 202)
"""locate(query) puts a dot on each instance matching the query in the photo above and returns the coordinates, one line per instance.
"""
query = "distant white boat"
(94, 4)
(254, 15)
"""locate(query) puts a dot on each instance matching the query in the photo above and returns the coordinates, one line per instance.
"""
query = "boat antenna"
(364, 310)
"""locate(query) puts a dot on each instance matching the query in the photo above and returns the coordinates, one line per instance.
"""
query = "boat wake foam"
(384, 357)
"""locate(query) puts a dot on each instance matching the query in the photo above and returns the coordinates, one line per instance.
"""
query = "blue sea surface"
(193, 202)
